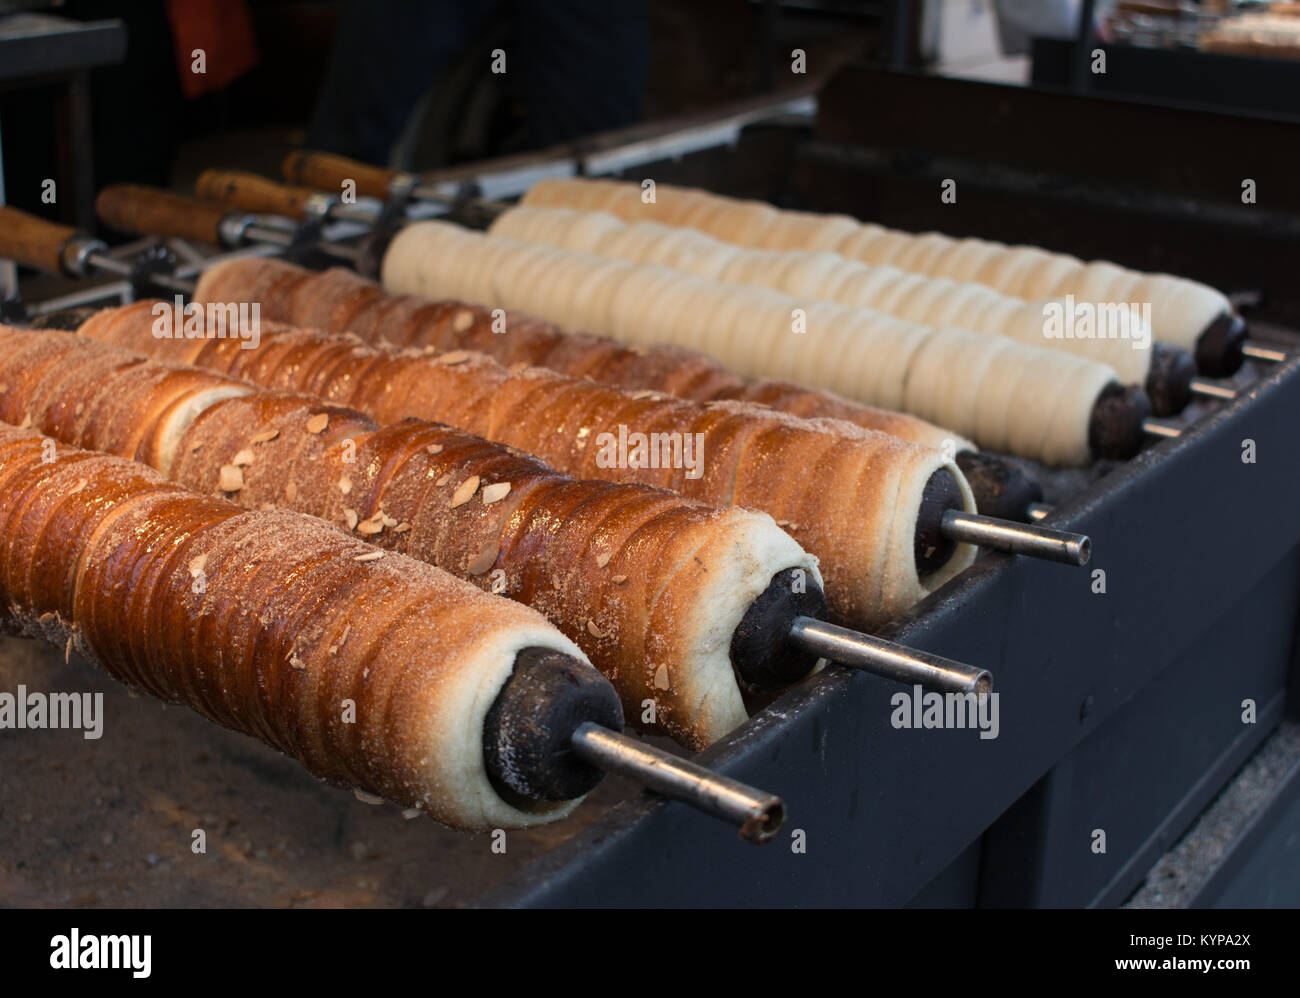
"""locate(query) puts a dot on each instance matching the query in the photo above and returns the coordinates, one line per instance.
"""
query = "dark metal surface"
(884, 811)
(42, 45)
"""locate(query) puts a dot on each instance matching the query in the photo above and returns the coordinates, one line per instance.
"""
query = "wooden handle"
(32, 241)
(327, 172)
(249, 192)
(150, 211)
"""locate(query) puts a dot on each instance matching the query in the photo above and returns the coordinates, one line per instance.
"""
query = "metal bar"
(256, 232)
(1156, 428)
(1018, 538)
(1212, 390)
(102, 262)
(758, 814)
(1267, 354)
(884, 658)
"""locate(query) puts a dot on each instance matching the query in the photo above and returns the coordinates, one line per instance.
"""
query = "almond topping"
(291, 491)
(345, 484)
(268, 434)
(495, 492)
(485, 559)
(443, 480)
(401, 528)
(371, 556)
(593, 630)
(196, 565)
(619, 579)
(372, 526)
(232, 478)
(603, 559)
(464, 319)
(644, 394)
(464, 491)
(243, 459)
(318, 422)
(433, 449)
(350, 518)
(453, 358)
(661, 677)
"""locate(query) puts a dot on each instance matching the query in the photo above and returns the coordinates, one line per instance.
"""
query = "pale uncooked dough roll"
(1181, 310)
(1124, 343)
(757, 332)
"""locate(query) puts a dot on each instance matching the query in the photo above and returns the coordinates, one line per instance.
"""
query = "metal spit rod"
(758, 814)
(884, 658)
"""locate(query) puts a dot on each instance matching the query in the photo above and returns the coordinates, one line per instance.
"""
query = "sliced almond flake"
(661, 677)
(232, 478)
(350, 518)
(318, 422)
(464, 491)
(46, 617)
(366, 798)
(372, 526)
(485, 559)
(454, 358)
(81, 484)
(443, 480)
(345, 484)
(26, 424)
(291, 491)
(369, 556)
(385, 519)
(643, 394)
(619, 579)
(266, 507)
(411, 812)
(463, 320)
(495, 492)
(401, 528)
(433, 449)
(603, 559)
(295, 661)
(263, 436)
(243, 459)
(593, 630)
(196, 565)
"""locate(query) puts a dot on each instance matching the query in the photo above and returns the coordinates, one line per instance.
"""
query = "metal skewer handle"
(1017, 538)
(759, 815)
(887, 659)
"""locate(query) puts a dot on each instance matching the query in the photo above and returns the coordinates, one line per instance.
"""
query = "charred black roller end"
(1218, 349)
(930, 547)
(1169, 382)
(1001, 489)
(1115, 430)
(762, 653)
(67, 320)
(527, 734)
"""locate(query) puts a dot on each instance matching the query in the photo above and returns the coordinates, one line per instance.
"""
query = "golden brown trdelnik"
(650, 584)
(850, 496)
(266, 622)
(339, 300)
